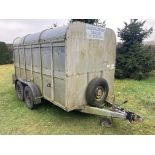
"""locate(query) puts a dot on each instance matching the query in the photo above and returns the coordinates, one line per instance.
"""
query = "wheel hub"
(99, 93)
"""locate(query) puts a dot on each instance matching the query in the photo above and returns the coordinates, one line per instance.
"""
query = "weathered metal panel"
(47, 87)
(37, 80)
(28, 58)
(45, 35)
(75, 95)
(88, 56)
(59, 91)
(28, 75)
(16, 57)
(59, 74)
(17, 41)
(59, 62)
(36, 59)
(56, 33)
(46, 59)
(17, 72)
(22, 57)
(46, 55)
(110, 47)
(22, 74)
(58, 44)
(32, 38)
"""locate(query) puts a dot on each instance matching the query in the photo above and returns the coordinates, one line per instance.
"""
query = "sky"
(12, 28)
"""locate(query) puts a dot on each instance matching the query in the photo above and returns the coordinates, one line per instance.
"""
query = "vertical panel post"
(19, 60)
(24, 62)
(32, 76)
(14, 60)
(52, 72)
(41, 69)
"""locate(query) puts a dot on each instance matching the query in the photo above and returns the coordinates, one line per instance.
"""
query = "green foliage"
(90, 21)
(5, 55)
(133, 33)
(134, 59)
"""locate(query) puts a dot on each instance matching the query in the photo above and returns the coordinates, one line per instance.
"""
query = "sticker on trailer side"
(94, 32)
(111, 66)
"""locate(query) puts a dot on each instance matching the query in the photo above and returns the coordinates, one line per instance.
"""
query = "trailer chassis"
(114, 111)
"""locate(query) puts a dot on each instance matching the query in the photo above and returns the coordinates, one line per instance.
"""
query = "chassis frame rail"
(114, 111)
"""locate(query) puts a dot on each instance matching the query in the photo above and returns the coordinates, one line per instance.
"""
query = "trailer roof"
(48, 34)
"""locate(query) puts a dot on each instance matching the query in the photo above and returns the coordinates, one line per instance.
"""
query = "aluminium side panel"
(59, 74)
(90, 53)
(28, 58)
(47, 73)
(16, 62)
(76, 79)
(36, 63)
(22, 63)
(109, 71)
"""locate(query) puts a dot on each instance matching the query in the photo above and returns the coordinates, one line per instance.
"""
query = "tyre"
(97, 92)
(19, 90)
(28, 97)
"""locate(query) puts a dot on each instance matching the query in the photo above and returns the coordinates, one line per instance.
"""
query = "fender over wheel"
(29, 98)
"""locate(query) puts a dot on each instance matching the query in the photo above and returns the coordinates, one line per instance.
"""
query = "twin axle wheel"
(96, 93)
(24, 93)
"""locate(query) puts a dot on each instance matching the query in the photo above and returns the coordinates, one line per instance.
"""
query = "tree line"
(6, 54)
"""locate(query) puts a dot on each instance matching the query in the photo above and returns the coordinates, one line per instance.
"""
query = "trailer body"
(62, 61)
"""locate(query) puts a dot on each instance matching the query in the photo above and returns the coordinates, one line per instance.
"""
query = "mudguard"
(35, 90)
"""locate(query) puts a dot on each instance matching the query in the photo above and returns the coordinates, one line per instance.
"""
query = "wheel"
(19, 90)
(97, 92)
(28, 97)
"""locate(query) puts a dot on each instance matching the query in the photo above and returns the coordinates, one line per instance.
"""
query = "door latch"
(49, 85)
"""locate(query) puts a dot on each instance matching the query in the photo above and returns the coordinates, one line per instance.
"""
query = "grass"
(15, 118)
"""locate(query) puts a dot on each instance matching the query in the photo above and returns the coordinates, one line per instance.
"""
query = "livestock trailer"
(71, 66)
